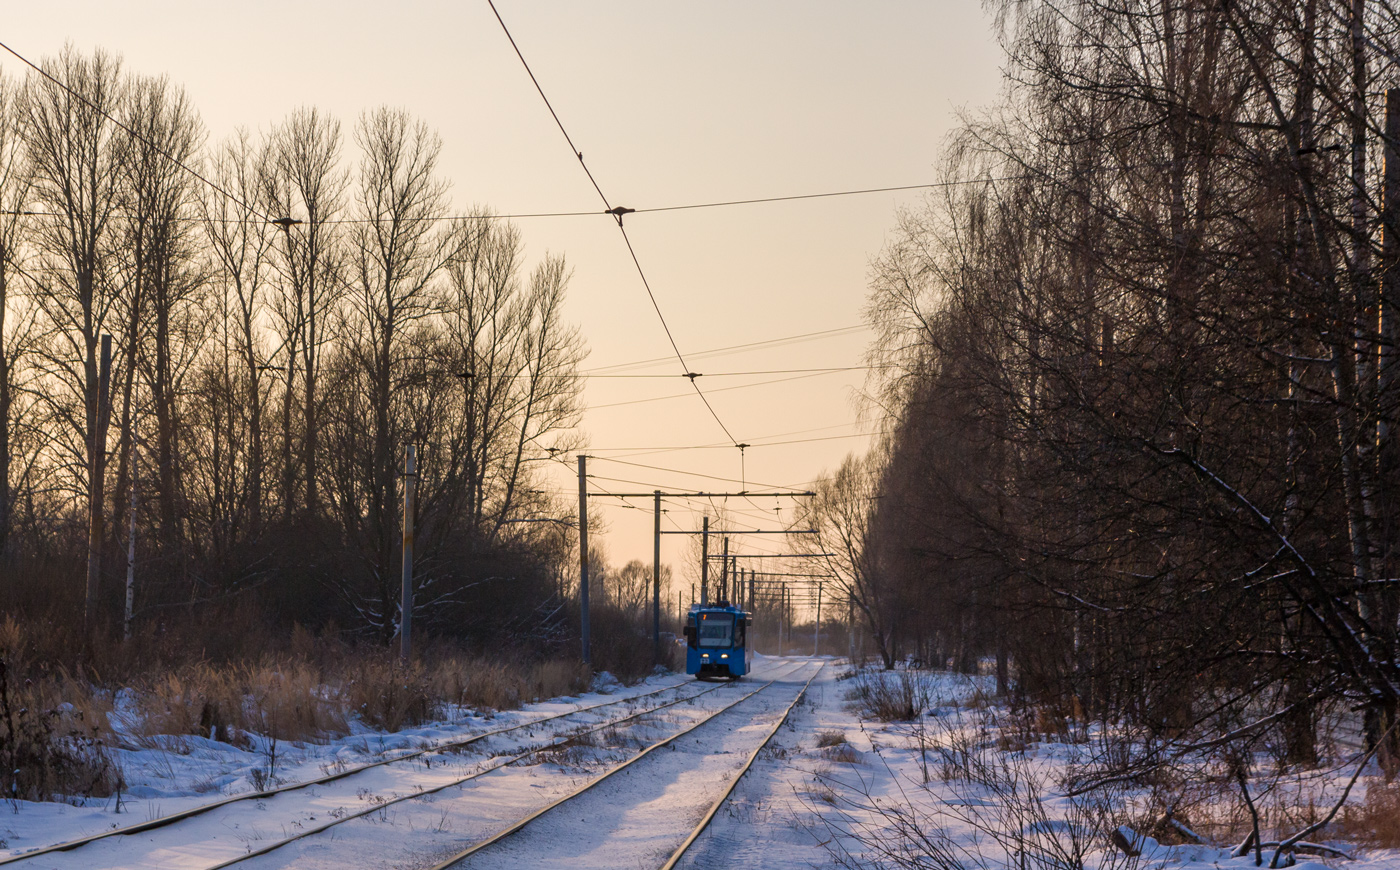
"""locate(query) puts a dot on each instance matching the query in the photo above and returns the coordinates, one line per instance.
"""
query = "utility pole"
(130, 543)
(705, 563)
(851, 628)
(410, 479)
(817, 629)
(724, 574)
(656, 583)
(782, 615)
(97, 469)
(583, 553)
(751, 598)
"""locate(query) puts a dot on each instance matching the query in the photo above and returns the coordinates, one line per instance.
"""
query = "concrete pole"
(130, 545)
(782, 615)
(410, 479)
(851, 628)
(97, 469)
(724, 574)
(583, 553)
(705, 563)
(656, 581)
(817, 628)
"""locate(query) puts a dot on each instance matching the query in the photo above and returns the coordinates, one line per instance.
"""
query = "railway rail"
(709, 816)
(456, 860)
(442, 747)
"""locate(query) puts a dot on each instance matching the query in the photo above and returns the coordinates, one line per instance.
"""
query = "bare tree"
(396, 250)
(240, 241)
(160, 267)
(519, 362)
(305, 187)
(15, 184)
(843, 516)
(79, 159)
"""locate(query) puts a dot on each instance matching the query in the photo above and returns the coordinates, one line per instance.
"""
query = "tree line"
(287, 310)
(1143, 444)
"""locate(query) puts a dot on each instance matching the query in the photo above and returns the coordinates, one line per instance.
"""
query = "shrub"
(621, 642)
(890, 696)
(51, 747)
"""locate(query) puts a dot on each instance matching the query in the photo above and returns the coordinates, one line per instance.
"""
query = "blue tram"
(715, 642)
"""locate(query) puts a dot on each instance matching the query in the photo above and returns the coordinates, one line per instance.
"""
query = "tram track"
(455, 862)
(441, 748)
(709, 816)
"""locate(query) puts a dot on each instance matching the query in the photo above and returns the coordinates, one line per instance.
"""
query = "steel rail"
(509, 760)
(518, 825)
(152, 824)
(709, 816)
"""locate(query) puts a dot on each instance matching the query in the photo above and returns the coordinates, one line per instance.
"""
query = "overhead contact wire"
(616, 213)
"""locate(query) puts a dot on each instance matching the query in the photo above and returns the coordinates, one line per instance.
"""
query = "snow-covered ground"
(830, 790)
(875, 798)
(171, 774)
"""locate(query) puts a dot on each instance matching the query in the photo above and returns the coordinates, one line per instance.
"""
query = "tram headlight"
(724, 655)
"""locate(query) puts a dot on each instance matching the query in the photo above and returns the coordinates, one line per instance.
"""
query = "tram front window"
(716, 630)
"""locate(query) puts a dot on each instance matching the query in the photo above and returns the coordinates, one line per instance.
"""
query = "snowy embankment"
(960, 787)
(959, 784)
(168, 774)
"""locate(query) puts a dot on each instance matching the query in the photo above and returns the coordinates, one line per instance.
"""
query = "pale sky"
(671, 104)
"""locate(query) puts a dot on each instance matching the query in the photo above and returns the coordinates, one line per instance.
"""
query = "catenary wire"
(617, 214)
(752, 345)
(721, 445)
(687, 473)
(821, 371)
(492, 216)
(719, 390)
(648, 451)
(135, 134)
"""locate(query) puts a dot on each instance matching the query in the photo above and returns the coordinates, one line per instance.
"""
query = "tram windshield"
(716, 629)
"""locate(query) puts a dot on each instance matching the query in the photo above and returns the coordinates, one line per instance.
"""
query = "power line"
(617, 213)
(135, 134)
(834, 193)
(742, 374)
(753, 345)
(720, 390)
(687, 473)
(649, 450)
(489, 216)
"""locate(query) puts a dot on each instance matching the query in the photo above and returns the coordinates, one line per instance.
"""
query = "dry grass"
(842, 754)
(500, 685)
(55, 727)
(1376, 820)
(388, 695)
(290, 701)
(821, 786)
(830, 738)
(282, 700)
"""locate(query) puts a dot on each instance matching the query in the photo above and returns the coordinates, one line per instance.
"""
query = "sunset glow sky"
(671, 104)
